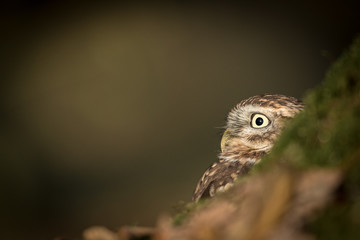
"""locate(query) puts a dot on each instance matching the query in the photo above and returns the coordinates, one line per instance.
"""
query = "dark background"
(111, 112)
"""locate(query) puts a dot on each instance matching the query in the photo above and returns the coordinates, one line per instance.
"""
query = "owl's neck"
(243, 154)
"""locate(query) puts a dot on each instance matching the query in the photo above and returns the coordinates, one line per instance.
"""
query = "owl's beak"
(225, 139)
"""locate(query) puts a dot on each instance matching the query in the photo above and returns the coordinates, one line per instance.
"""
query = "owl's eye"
(259, 121)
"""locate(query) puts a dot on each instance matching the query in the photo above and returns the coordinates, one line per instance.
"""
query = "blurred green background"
(110, 112)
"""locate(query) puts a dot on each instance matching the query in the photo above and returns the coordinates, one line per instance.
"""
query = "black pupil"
(259, 121)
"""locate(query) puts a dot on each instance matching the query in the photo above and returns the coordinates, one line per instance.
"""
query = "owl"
(252, 127)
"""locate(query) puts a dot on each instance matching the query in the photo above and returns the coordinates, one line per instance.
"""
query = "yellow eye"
(259, 121)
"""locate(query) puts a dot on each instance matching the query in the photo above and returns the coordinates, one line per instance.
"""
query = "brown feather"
(245, 145)
(220, 174)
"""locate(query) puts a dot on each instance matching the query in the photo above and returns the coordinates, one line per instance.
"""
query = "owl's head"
(255, 123)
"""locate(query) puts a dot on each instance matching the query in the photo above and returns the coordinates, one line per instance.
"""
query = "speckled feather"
(246, 144)
(219, 177)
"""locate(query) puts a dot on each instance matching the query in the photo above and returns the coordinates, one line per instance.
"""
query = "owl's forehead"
(270, 100)
(279, 105)
(245, 112)
(242, 113)
(272, 105)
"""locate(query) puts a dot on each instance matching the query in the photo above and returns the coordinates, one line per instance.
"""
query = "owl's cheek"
(269, 136)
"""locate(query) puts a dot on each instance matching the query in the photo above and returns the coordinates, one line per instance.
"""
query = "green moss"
(185, 211)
